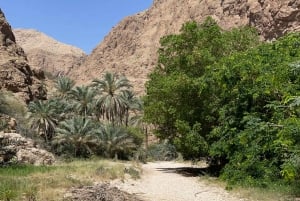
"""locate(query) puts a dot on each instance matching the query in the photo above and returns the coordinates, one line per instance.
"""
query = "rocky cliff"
(44, 52)
(131, 47)
(15, 73)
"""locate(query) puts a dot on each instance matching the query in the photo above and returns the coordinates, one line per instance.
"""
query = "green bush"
(162, 152)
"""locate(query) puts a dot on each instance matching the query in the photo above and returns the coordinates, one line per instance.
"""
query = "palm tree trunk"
(126, 117)
(146, 138)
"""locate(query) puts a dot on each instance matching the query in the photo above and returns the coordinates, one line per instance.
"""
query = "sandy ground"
(164, 181)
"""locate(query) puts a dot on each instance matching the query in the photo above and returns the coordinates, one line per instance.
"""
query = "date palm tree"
(115, 140)
(64, 85)
(3, 104)
(110, 103)
(83, 97)
(132, 103)
(137, 119)
(43, 117)
(78, 135)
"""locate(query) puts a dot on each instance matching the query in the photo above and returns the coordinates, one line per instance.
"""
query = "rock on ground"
(16, 148)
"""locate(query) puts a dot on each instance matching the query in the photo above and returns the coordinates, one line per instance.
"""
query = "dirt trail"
(169, 181)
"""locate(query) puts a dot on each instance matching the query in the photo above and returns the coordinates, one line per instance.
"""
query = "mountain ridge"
(131, 46)
(48, 54)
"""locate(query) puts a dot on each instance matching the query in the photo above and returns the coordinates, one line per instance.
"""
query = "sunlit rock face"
(15, 73)
(48, 54)
(131, 46)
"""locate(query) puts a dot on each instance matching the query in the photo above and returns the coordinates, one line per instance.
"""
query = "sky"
(82, 23)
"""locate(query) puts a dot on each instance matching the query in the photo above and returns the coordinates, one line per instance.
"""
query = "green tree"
(116, 141)
(78, 135)
(137, 120)
(253, 125)
(181, 95)
(3, 103)
(64, 85)
(111, 103)
(43, 117)
(132, 104)
(83, 100)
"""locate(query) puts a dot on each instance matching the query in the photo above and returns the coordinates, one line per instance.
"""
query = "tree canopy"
(226, 96)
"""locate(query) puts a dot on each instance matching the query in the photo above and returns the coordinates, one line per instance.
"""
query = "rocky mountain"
(131, 47)
(15, 73)
(44, 52)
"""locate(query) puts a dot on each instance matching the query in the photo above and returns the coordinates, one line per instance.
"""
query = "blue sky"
(82, 23)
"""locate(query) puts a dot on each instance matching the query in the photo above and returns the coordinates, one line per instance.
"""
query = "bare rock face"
(131, 47)
(44, 52)
(15, 73)
(16, 148)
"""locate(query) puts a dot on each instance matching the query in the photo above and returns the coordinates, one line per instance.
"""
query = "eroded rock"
(15, 73)
(16, 148)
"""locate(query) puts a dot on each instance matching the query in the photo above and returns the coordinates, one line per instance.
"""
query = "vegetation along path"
(172, 181)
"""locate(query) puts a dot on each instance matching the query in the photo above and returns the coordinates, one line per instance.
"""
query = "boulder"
(16, 148)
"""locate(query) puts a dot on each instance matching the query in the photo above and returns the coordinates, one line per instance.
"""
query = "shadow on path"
(188, 171)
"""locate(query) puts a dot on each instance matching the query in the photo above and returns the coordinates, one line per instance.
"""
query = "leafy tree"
(78, 135)
(111, 103)
(180, 94)
(253, 125)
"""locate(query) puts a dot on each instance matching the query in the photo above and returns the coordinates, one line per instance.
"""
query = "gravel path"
(164, 181)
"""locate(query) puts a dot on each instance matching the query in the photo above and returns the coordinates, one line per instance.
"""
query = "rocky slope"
(44, 52)
(131, 47)
(15, 73)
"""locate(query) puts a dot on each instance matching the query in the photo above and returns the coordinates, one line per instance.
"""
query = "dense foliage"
(81, 121)
(225, 96)
(179, 96)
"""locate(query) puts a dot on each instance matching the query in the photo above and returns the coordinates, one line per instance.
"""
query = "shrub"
(162, 152)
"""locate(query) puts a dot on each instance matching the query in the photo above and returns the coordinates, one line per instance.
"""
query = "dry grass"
(50, 183)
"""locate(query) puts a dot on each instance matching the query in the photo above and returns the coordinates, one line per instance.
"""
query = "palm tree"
(111, 105)
(43, 117)
(83, 98)
(137, 120)
(64, 85)
(132, 103)
(77, 134)
(3, 103)
(63, 107)
(115, 140)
